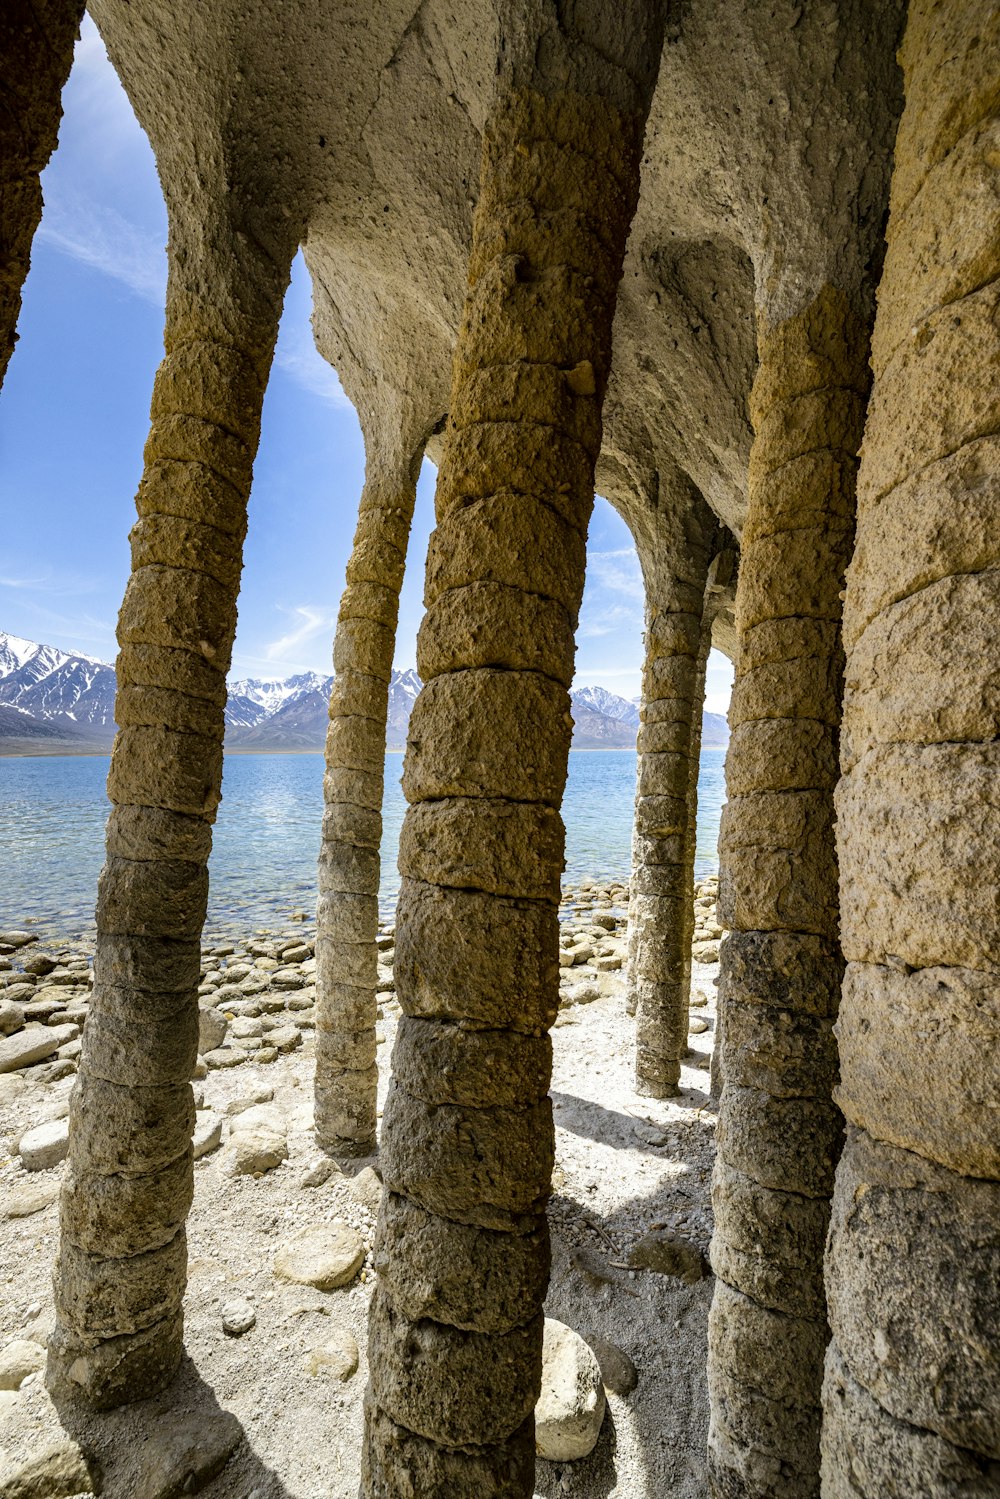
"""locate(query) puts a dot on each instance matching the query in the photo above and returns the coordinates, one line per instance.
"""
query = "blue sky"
(74, 413)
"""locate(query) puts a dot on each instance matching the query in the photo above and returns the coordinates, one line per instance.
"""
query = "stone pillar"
(661, 913)
(347, 912)
(36, 54)
(779, 1132)
(467, 1141)
(121, 1270)
(912, 1391)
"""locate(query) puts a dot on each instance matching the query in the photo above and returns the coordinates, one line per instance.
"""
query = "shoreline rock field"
(268, 1405)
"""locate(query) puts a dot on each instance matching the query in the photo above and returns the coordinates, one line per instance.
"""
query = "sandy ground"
(624, 1165)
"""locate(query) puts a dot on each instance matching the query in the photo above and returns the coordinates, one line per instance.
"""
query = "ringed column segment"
(467, 1145)
(121, 1270)
(36, 54)
(660, 895)
(347, 913)
(779, 1132)
(912, 1392)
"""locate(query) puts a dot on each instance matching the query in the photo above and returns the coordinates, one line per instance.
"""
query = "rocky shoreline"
(281, 1237)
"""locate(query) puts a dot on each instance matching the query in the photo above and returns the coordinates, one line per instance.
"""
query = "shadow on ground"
(176, 1443)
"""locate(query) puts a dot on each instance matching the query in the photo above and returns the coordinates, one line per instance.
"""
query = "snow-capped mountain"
(74, 692)
(51, 700)
(600, 700)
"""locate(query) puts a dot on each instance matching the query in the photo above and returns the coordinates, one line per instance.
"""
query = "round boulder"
(571, 1406)
(324, 1255)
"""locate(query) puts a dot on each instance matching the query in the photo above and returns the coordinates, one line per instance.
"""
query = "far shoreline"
(105, 754)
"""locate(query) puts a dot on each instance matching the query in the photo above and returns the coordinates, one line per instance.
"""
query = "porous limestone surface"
(626, 1166)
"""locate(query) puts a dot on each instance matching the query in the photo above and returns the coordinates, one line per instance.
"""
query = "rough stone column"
(673, 692)
(347, 912)
(467, 1141)
(122, 1261)
(36, 54)
(912, 1392)
(779, 1132)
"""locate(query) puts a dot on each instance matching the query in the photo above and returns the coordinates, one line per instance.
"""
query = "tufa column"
(347, 912)
(121, 1270)
(467, 1144)
(912, 1391)
(779, 1132)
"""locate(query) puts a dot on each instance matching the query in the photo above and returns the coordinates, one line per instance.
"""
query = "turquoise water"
(53, 810)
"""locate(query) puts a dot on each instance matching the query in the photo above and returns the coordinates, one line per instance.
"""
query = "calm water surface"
(53, 810)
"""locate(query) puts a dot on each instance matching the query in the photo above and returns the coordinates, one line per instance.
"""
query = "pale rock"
(212, 1026)
(184, 1451)
(238, 1317)
(321, 1173)
(19, 1359)
(258, 1142)
(224, 1056)
(697, 1025)
(20, 994)
(366, 1189)
(45, 1145)
(257, 1095)
(11, 1017)
(11, 1088)
(285, 1038)
(245, 1026)
(22, 1201)
(39, 963)
(34, 1044)
(207, 1134)
(337, 1357)
(324, 1255)
(572, 1402)
(259, 1116)
(287, 978)
(60, 1470)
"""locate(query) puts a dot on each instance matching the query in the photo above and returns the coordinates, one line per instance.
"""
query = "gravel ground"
(626, 1165)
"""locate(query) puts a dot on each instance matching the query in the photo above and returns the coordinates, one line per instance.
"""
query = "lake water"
(53, 810)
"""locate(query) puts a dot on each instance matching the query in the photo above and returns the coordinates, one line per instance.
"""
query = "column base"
(107, 1372)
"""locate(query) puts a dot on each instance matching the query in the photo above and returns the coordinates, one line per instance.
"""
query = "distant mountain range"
(52, 702)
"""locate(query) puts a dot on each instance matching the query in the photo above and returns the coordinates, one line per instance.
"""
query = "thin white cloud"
(101, 238)
(618, 571)
(298, 358)
(100, 105)
(23, 582)
(598, 619)
(311, 623)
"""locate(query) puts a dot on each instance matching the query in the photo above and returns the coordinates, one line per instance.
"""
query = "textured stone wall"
(36, 52)
(913, 1268)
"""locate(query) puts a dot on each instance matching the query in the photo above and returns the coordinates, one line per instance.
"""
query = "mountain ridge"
(54, 701)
